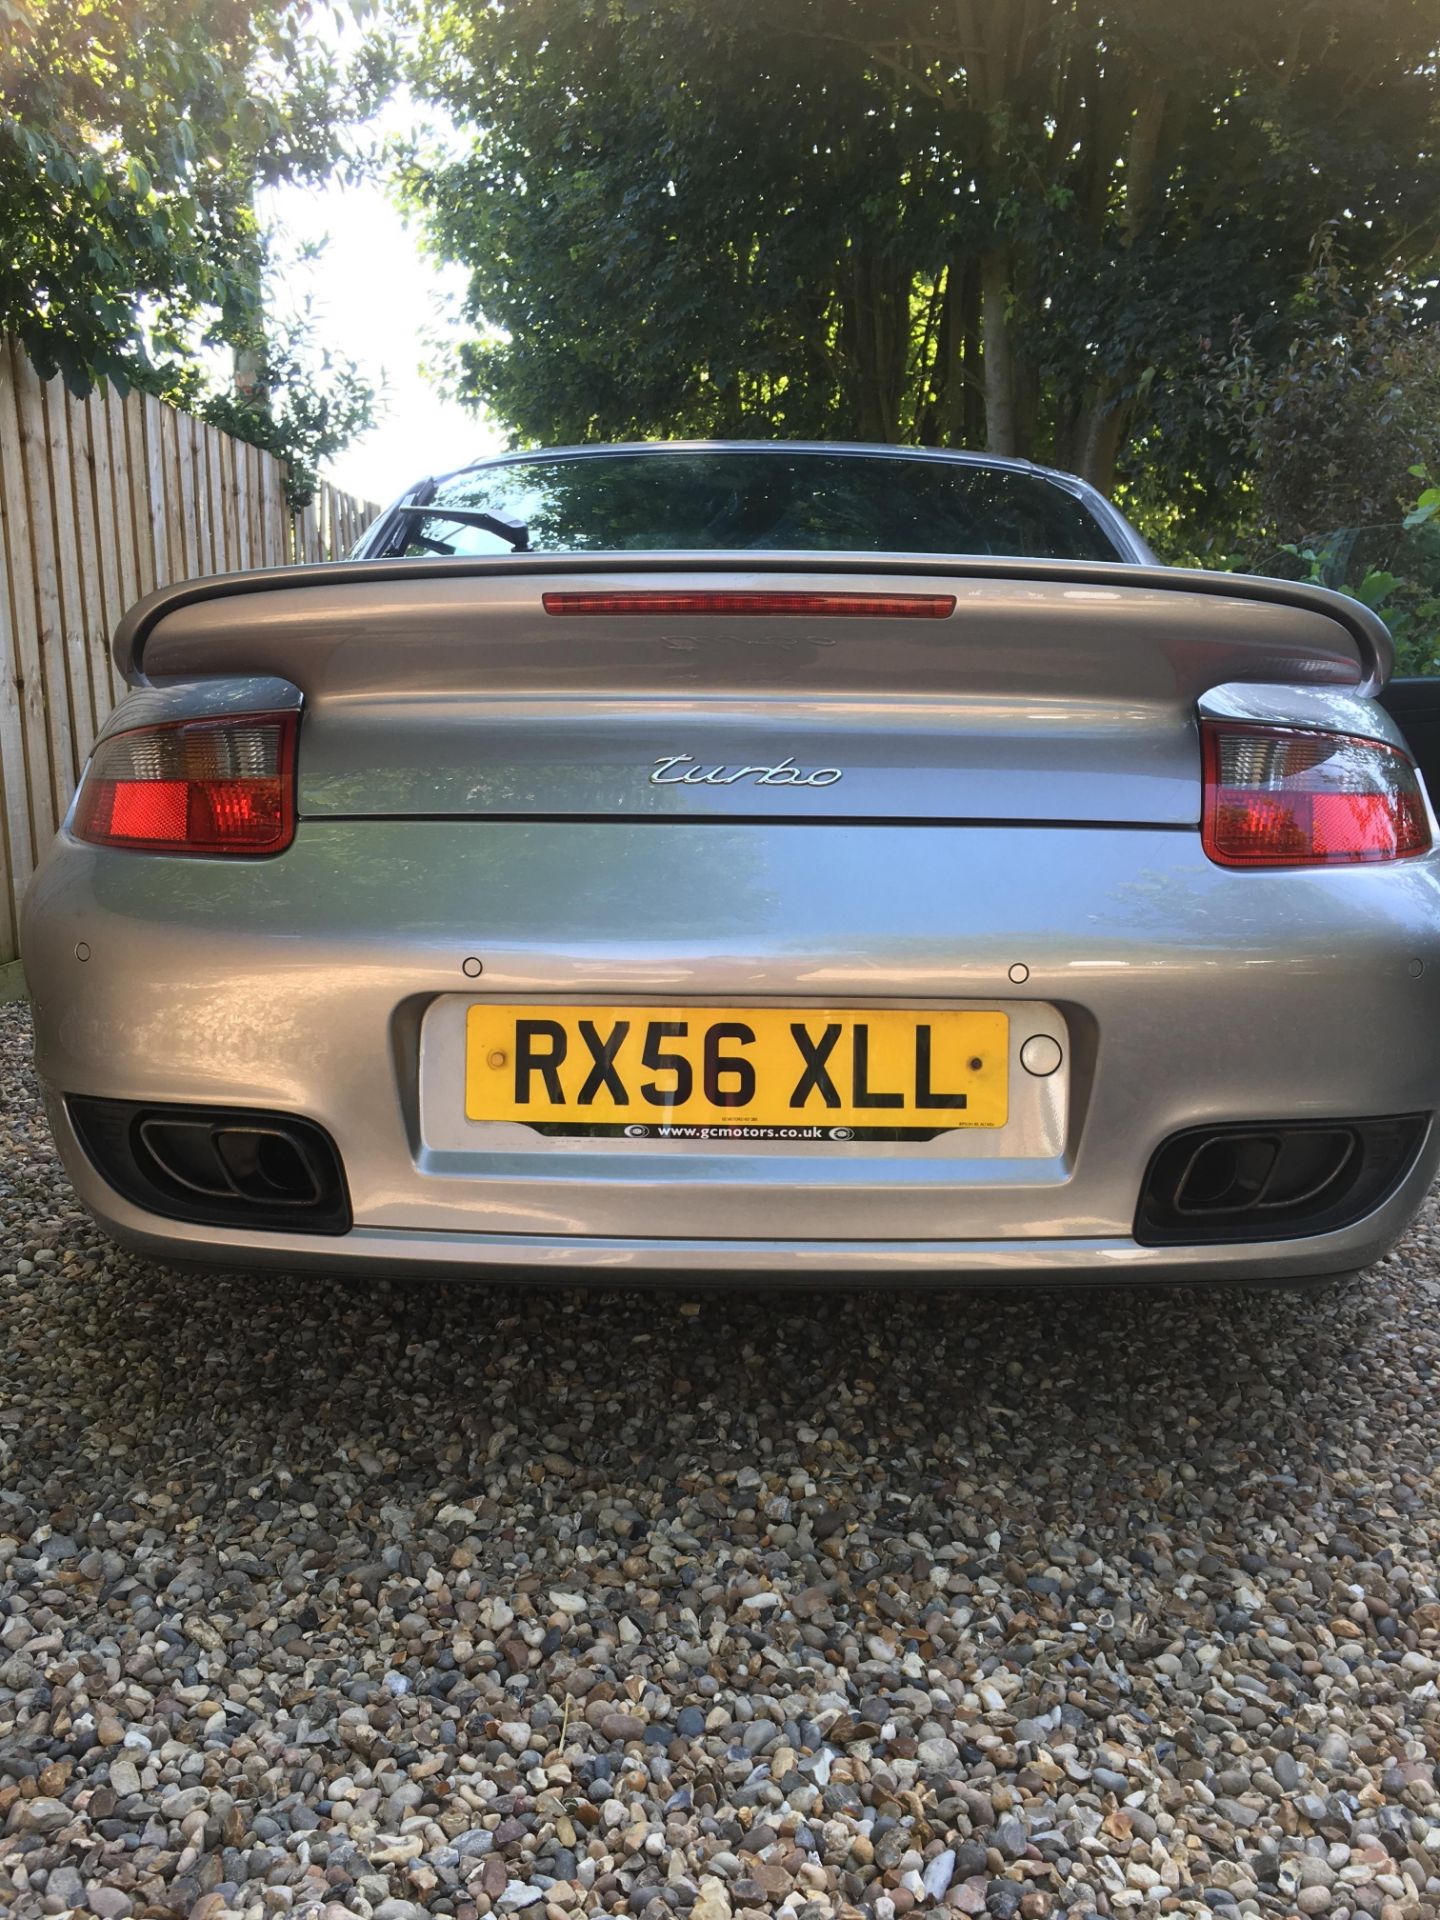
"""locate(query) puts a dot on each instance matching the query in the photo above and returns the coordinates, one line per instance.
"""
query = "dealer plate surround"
(752, 1073)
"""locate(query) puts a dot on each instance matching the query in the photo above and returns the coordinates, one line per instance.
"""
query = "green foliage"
(1426, 507)
(307, 403)
(1405, 593)
(1332, 432)
(132, 142)
(1332, 439)
(956, 222)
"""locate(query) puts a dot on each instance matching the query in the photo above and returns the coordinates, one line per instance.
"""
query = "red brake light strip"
(830, 606)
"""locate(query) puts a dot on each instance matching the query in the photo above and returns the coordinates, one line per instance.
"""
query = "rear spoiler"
(1364, 627)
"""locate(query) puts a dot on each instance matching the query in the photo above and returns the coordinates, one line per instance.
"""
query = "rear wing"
(1362, 656)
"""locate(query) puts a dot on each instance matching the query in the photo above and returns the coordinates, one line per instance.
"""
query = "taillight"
(828, 606)
(1280, 797)
(193, 786)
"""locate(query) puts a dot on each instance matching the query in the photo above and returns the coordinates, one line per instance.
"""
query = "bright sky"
(378, 301)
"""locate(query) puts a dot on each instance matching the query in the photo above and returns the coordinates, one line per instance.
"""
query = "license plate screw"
(496, 1059)
(976, 1064)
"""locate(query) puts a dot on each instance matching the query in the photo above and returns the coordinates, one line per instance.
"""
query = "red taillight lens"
(1276, 797)
(193, 786)
(830, 606)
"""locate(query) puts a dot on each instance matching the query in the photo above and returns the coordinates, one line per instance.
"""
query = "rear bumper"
(302, 985)
(571, 1258)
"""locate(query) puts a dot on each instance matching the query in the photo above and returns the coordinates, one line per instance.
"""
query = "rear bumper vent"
(216, 1166)
(1276, 1180)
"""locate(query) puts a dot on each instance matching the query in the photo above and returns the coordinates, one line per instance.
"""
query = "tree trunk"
(243, 322)
(932, 364)
(249, 376)
(1142, 154)
(1025, 385)
(961, 401)
(972, 361)
(877, 342)
(932, 409)
(1099, 436)
(1002, 423)
(1064, 444)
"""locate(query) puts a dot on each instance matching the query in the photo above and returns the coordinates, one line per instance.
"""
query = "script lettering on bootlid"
(683, 770)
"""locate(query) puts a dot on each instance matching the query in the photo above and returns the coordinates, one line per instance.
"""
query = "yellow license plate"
(660, 1067)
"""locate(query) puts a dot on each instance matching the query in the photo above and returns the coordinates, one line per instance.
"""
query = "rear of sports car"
(814, 917)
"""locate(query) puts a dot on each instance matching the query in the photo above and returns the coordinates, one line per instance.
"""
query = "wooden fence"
(100, 501)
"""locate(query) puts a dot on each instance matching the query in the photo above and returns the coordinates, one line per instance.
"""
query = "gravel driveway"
(366, 1599)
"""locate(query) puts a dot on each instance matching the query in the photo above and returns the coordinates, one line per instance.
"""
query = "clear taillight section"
(1277, 797)
(193, 786)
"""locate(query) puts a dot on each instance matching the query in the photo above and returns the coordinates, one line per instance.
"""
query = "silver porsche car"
(804, 861)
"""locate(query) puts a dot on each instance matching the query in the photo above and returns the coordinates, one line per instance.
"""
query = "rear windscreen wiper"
(505, 525)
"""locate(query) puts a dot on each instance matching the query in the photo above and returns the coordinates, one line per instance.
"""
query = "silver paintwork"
(1188, 993)
(1055, 691)
(202, 624)
(1019, 789)
(564, 1259)
(1331, 710)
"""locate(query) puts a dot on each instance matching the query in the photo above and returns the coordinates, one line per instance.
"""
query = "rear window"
(728, 501)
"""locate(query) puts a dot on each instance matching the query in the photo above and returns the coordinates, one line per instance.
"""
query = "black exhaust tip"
(1276, 1180)
(217, 1166)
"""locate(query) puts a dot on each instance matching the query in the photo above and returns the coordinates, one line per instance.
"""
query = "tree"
(1333, 434)
(1336, 440)
(959, 222)
(133, 139)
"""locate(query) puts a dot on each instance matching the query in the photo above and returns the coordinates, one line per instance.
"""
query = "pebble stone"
(385, 1601)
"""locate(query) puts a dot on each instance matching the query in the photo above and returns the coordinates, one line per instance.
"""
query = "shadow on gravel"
(300, 1368)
